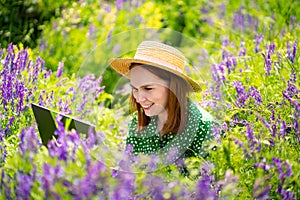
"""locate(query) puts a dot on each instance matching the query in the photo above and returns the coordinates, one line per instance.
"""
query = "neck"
(162, 118)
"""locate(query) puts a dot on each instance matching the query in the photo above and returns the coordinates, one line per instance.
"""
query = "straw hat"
(158, 55)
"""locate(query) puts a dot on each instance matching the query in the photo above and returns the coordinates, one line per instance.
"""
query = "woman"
(165, 121)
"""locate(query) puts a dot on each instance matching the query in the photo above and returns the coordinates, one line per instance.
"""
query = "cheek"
(164, 96)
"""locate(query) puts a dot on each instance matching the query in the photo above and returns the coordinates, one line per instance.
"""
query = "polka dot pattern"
(186, 144)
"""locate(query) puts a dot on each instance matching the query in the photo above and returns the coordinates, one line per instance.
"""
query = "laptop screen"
(45, 119)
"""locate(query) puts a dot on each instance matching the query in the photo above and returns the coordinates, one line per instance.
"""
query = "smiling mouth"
(147, 107)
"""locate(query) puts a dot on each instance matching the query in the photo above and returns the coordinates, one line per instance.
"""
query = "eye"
(148, 88)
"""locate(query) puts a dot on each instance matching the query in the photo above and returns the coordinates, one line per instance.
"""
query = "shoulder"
(202, 119)
(197, 111)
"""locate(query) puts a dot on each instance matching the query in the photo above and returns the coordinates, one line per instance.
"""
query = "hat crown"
(162, 54)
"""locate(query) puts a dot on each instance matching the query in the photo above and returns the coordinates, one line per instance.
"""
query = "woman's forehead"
(140, 77)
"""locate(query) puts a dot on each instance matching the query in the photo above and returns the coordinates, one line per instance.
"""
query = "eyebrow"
(143, 86)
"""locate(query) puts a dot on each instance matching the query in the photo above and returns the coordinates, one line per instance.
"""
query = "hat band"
(158, 61)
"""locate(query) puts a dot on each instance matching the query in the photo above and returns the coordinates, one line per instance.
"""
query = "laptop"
(45, 119)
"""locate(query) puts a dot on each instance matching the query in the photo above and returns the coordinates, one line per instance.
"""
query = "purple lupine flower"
(239, 20)
(155, 186)
(293, 18)
(116, 49)
(258, 40)
(10, 86)
(29, 141)
(239, 87)
(24, 185)
(255, 94)
(292, 90)
(242, 95)
(228, 64)
(284, 169)
(64, 138)
(271, 48)
(250, 136)
(92, 184)
(262, 119)
(235, 121)
(51, 175)
(242, 145)
(234, 61)
(41, 98)
(50, 98)
(21, 89)
(81, 106)
(261, 194)
(291, 53)
(282, 131)
(286, 195)
(1, 53)
(119, 3)
(221, 71)
(293, 77)
(107, 8)
(109, 35)
(4, 89)
(296, 128)
(60, 69)
(268, 63)
(5, 182)
(225, 54)
(273, 129)
(114, 173)
(8, 62)
(29, 96)
(215, 74)
(125, 185)
(294, 49)
(47, 74)
(3, 152)
(91, 31)
(229, 180)
(16, 65)
(225, 42)
(61, 150)
(272, 118)
(43, 45)
(24, 59)
(217, 132)
(263, 164)
(153, 163)
(10, 123)
(242, 52)
(240, 102)
(204, 190)
(35, 71)
(64, 107)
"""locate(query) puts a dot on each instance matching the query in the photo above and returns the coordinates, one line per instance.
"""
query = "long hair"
(177, 101)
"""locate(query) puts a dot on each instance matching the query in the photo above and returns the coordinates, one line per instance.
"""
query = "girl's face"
(149, 91)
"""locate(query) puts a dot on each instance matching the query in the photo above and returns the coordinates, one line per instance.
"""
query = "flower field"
(249, 55)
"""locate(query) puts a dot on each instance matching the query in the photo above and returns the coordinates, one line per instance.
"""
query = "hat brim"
(122, 65)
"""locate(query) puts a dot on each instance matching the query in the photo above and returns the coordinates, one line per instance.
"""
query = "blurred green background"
(73, 32)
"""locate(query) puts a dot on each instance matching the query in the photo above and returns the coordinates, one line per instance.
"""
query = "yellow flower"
(151, 13)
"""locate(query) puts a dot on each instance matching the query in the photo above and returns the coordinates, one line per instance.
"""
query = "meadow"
(245, 55)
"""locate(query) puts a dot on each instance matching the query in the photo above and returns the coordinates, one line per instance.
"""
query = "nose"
(139, 96)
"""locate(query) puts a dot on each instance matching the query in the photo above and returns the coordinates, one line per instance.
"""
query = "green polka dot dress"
(189, 143)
